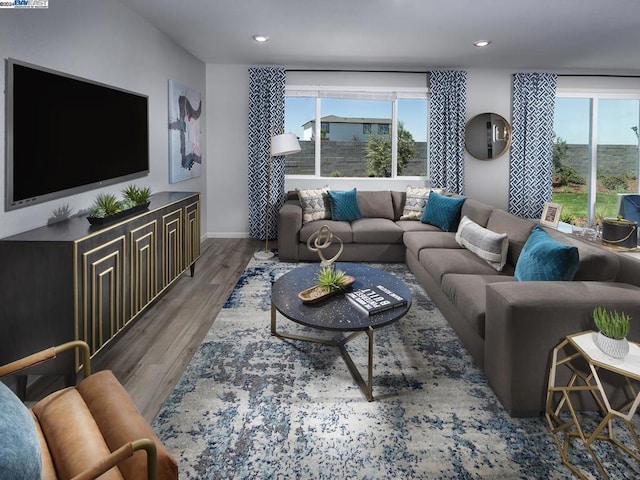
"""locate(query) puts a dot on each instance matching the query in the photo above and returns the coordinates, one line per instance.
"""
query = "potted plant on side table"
(613, 330)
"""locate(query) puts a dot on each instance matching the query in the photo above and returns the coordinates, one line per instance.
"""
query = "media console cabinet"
(73, 281)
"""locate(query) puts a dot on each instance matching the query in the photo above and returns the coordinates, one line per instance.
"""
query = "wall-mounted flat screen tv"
(67, 135)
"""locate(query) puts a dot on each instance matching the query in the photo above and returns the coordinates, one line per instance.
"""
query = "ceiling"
(579, 36)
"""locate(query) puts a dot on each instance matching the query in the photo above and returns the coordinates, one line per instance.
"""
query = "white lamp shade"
(284, 144)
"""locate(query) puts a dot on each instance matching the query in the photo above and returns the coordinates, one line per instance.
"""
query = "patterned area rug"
(250, 405)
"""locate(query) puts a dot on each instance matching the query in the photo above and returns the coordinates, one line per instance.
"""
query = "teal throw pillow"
(344, 206)
(443, 211)
(20, 456)
(543, 258)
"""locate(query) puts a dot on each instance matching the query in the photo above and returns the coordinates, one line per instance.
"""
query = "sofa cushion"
(344, 205)
(376, 230)
(490, 246)
(596, 263)
(376, 204)
(416, 241)
(21, 455)
(340, 229)
(441, 261)
(546, 259)
(477, 211)
(314, 203)
(412, 226)
(469, 294)
(443, 211)
(517, 229)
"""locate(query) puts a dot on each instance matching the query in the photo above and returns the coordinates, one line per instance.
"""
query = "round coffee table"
(336, 313)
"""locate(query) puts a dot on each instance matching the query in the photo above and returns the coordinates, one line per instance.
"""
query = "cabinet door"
(172, 244)
(192, 233)
(102, 285)
(143, 267)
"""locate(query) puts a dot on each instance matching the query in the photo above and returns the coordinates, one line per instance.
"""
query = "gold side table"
(563, 418)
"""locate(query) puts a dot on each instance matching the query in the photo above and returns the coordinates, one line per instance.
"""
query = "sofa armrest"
(289, 225)
(526, 320)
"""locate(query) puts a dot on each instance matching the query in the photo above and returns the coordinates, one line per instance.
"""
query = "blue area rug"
(252, 406)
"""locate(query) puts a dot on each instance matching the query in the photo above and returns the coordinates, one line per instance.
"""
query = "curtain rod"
(596, 75)
(356, 71)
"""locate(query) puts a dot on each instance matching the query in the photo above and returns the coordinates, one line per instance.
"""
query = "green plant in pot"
(613, 329)
(104, 205)
(332, 280)
(136, 195)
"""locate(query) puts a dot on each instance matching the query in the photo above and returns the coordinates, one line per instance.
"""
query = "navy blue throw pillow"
(543, 258)
(443, 211)
(344, 206)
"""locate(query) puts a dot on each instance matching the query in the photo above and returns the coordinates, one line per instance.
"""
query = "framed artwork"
(185, 154)
(551, 214)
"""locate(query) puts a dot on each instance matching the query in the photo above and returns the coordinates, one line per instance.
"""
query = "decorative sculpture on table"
(322, 240)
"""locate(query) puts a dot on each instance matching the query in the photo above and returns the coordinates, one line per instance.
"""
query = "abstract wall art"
(185, 154)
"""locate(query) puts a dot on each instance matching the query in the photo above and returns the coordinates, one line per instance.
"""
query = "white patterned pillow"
(315, 204)
(416, 200)
(490, 246)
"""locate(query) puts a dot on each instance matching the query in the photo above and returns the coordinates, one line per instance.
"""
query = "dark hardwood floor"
(150, 356)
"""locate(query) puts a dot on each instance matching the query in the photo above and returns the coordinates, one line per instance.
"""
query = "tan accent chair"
(94, 429)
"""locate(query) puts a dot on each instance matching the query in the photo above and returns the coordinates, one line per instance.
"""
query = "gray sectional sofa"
(509, 327)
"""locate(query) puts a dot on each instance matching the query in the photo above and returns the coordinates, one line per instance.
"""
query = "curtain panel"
(266, 118)
(447, 111)
(531, 161)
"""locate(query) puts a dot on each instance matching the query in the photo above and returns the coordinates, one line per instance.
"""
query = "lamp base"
(262, 255)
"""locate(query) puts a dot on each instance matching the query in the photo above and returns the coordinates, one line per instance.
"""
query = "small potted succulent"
(330, 282)
(613, 330)
(137, 195)
(107, 207)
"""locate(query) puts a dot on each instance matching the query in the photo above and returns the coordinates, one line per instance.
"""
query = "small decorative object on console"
(619, 232)
(375, 299)
(551, 214)
(107, 208)
(330, 282)
(321, 240)
(613, 330)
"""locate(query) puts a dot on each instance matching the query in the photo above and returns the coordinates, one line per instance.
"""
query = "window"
(595, 154)
(362, 133)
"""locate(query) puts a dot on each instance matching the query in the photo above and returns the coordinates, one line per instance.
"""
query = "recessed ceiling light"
(261, 38)
(481, 43)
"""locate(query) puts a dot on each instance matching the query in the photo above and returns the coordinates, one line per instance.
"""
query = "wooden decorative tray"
(317, 294)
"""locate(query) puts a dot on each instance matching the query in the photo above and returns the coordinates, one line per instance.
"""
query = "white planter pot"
(612, 347)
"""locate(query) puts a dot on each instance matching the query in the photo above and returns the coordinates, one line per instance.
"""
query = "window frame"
(391, 94)
(594, 96)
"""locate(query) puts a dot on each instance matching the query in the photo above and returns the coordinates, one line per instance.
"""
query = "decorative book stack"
(375, 299)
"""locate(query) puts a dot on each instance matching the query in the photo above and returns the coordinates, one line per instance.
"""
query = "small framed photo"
(551, 214)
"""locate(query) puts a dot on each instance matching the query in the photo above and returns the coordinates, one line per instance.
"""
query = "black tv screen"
(66, 135)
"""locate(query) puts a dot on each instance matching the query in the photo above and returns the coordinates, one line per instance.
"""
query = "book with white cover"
(375, 299)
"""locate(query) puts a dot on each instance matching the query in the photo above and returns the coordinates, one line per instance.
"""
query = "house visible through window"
(377, 134)
(595, 154)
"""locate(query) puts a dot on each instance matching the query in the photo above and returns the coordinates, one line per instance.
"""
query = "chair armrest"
(120, 455)
(48, 354)
(289, 225)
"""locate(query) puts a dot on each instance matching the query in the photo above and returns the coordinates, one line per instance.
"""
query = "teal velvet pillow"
(543, 258)
(20, 456)
(442, 211)
(344, 205)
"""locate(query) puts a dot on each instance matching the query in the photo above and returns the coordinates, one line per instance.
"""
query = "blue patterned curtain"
(447, 111)
(266, 118)
(531, 163)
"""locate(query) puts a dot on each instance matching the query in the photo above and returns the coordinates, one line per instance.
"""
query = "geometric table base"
(566, 423)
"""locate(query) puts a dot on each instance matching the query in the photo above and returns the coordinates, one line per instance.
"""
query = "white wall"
(101, 40)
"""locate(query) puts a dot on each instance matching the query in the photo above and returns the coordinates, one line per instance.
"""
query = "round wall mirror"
(487, 136)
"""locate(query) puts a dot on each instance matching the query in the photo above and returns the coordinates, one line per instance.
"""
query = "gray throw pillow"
(315, 204)
(416, 199)
(490, 246)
